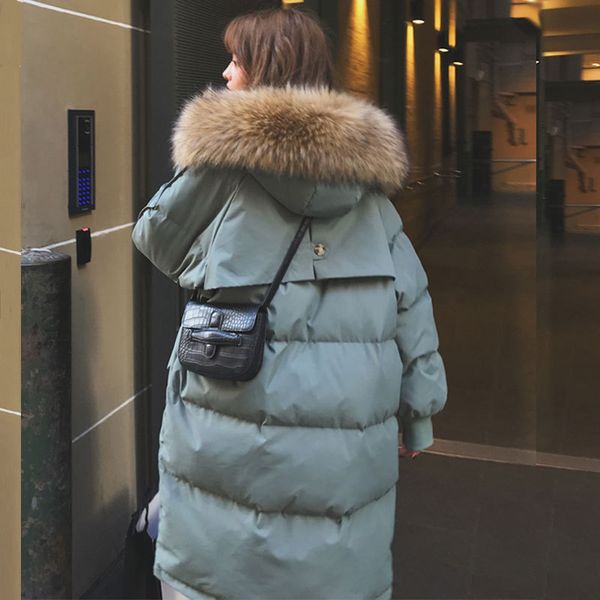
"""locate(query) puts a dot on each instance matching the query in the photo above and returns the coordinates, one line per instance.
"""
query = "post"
(46, 425)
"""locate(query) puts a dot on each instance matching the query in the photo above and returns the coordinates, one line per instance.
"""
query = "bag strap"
(287, 259)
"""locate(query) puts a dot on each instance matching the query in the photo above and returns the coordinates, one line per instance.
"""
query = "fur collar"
(305, 132)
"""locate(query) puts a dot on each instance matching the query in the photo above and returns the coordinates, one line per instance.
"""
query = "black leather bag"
(226, 341)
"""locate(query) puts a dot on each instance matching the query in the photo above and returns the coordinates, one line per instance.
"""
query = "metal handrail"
(449, 174)
(514, 160)
(573, 205)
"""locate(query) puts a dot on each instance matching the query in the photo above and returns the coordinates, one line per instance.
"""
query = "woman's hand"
(404, 452)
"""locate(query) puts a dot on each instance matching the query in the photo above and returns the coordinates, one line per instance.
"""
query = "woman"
(284, 486)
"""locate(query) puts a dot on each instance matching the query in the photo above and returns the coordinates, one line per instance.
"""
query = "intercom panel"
(82, 172)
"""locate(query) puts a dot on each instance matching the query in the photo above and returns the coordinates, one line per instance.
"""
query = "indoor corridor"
(497, 101)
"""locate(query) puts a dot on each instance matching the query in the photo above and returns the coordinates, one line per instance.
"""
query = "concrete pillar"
(46, 425)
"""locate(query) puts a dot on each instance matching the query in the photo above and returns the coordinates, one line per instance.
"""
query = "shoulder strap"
(287, 259)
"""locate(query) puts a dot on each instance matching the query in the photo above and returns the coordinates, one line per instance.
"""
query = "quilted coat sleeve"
(178, 213)
(423, 392)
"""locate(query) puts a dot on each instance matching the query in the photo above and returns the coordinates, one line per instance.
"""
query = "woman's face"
(235, 75)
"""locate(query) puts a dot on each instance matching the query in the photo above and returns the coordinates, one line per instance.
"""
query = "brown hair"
(281, 46)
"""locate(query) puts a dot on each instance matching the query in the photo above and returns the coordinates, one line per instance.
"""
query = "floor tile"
(431, 562)
(574, 565)
(510, 551)
(437, 491)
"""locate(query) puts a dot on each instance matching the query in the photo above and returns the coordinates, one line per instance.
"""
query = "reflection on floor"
(481, 263)
(518, 318)
(569, 336)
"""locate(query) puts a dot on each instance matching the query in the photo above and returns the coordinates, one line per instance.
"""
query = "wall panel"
(10, 299)
(74, 62)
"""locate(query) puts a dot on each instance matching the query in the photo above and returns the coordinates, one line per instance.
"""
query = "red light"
(86, 229)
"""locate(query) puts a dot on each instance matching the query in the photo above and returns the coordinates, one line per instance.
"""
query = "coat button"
(320, 249)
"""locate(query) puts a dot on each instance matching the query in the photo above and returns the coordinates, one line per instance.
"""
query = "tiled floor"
(484, 530)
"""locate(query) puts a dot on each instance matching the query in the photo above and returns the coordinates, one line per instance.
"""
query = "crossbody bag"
(226, 341)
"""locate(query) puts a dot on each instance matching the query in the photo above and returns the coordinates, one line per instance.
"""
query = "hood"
(317, 151)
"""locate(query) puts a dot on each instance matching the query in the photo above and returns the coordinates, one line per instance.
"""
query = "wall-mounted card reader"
(83, 242)
(82, 172)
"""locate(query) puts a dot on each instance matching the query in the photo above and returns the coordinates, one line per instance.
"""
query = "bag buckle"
(213, 337)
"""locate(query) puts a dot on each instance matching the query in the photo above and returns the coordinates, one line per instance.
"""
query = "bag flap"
(226, 317)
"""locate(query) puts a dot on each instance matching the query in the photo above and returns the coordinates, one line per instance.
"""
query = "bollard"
(46, 425)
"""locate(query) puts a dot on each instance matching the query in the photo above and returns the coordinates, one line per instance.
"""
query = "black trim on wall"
(327, 13)
(446, 116)
(463, 145)
(540, 131)
(392, 83)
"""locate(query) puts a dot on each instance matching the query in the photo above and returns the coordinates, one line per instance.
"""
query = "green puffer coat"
(284, 486)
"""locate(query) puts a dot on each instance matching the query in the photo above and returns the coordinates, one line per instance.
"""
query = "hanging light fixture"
(442, 41)
(417, 12)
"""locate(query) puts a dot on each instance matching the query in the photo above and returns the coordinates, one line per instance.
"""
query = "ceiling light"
(442, 41)
(417, 12)
(457, 57)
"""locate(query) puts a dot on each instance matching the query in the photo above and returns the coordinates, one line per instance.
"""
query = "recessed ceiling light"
(442, 41)
(416, 11)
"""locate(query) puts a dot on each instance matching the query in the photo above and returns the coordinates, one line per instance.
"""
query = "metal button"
(320, 249)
